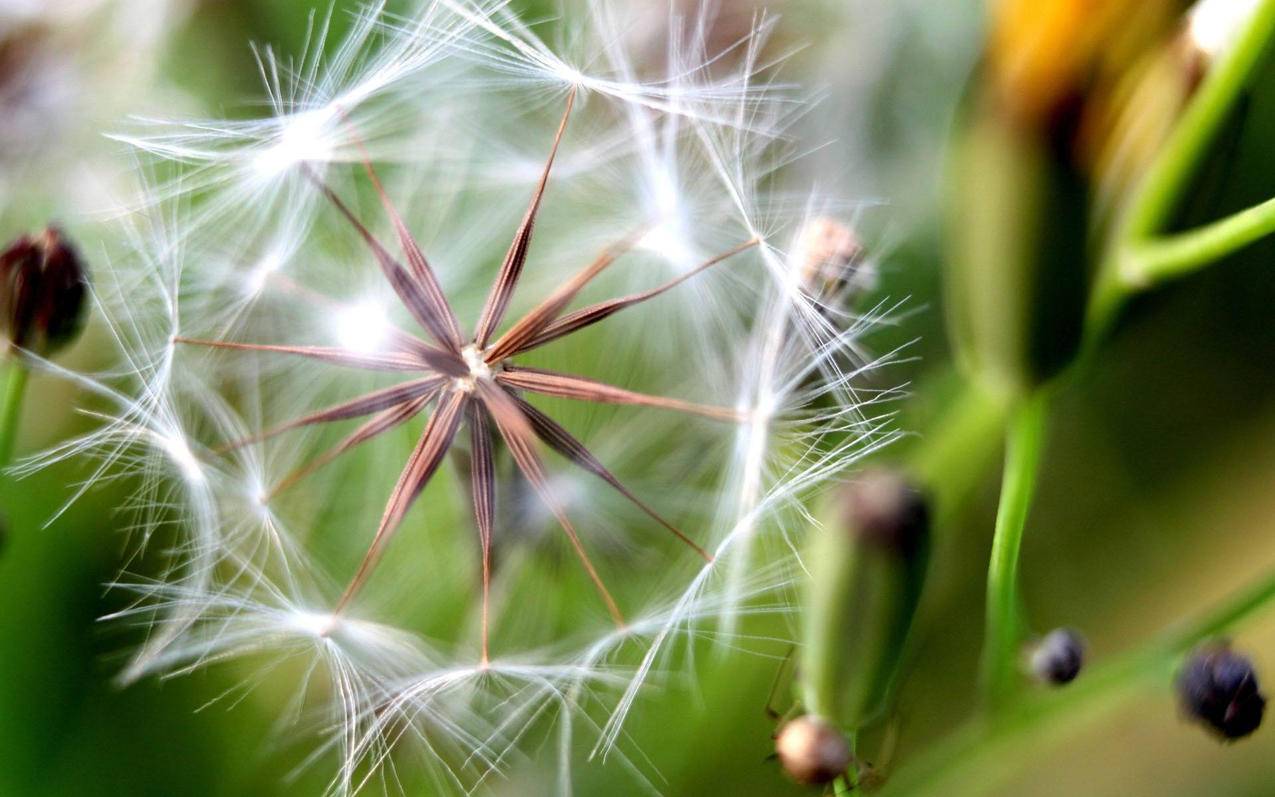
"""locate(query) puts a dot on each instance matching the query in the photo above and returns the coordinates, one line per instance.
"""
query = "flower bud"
(1218, 688)
(867, 568)
(1058, 657)
(1017, 279)
(812, 751)
(43, 282)
(885, 510)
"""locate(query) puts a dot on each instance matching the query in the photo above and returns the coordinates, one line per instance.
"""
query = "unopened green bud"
(42, 290)
(1017, 279)
(867, 567)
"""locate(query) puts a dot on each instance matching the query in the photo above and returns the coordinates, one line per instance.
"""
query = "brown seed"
(812, 751)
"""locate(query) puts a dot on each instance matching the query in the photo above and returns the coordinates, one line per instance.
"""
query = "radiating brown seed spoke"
(511, 269)
(551, 383)
(412, 294)
(443, 321)
(519, 437)
(421, 465)
(330, 354)
(381, 423)
(366, 404)
(544, 313)
(587, 316)
(483, 481)
(560, 440)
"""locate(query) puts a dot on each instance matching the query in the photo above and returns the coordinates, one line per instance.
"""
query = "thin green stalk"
(1160, 192)
(964, 762)
(1004, 627)
(15, 385)
(1170, 256)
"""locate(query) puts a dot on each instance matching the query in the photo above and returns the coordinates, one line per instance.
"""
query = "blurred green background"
(1156, 498)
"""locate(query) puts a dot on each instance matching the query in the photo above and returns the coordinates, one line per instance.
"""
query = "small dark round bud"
(883, 508)
(42, 288)
(1057, 657)
(812, 751)
(1218, 688)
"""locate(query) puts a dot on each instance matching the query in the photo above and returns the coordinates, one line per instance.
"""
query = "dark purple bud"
(884, 509)
(1058, 657)
(812, 751)
(1218, 688)
(42, 288)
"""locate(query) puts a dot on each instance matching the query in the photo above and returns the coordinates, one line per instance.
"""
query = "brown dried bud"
(827, 256)
(1218, 688)
(884, 509)
(812, 751)
(42, 287)
(1058, 657)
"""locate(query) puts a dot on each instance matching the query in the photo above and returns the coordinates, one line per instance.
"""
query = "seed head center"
(478, 368)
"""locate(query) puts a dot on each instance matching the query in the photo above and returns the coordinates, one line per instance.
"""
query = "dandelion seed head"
(255, 359)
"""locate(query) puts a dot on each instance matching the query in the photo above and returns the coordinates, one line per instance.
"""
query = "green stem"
(959, 445)
(964, 762)
(11, 410)
(1004, 627)
(1170, 256)
(1159, 194)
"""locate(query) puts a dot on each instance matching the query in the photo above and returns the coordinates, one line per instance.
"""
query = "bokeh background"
(1157, 497)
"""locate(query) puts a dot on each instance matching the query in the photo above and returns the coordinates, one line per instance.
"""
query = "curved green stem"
(963, 763)
(1004, 627)
(15, 385)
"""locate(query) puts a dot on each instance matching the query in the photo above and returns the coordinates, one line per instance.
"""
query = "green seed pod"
(42, 289)
(867, 566)
(1017, 279)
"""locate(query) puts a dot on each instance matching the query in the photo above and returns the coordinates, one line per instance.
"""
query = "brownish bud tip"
(1218, 688)
(42, 288)
(828, 255)
(812, 751)
(884, 509)
(1058, 657)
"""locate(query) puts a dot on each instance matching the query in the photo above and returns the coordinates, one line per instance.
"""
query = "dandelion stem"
(1004, 625)
(983, 747)
(15, 387)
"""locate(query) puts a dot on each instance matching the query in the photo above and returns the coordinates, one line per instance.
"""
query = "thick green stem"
(15, 386)
(1004, 627)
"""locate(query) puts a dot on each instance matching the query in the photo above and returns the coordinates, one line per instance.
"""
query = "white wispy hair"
(681, 160)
